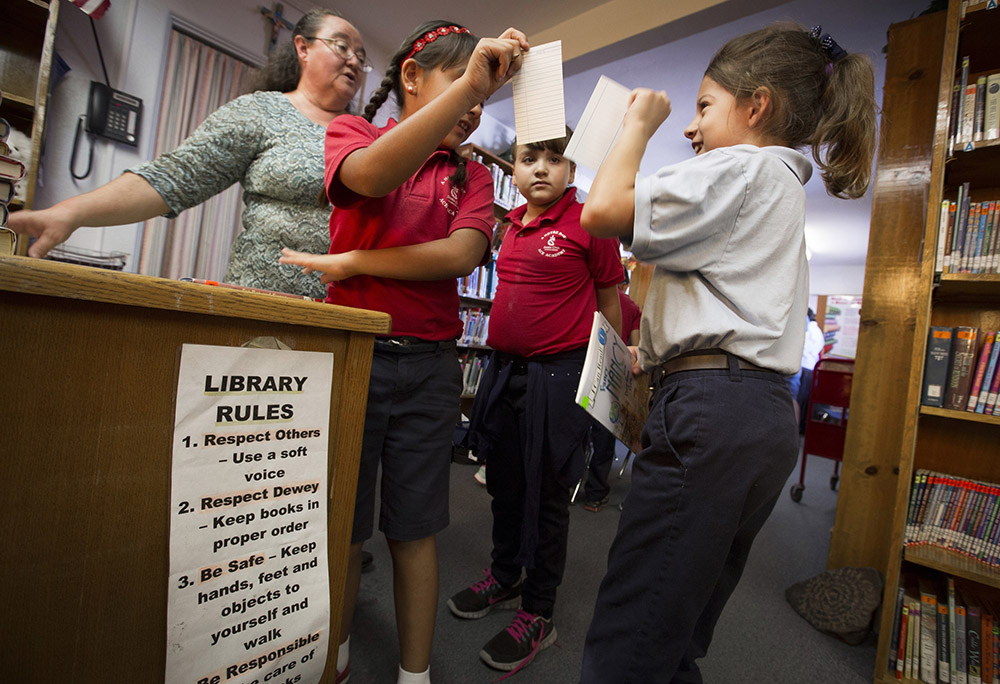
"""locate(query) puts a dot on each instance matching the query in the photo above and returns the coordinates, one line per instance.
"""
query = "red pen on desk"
(215, 283)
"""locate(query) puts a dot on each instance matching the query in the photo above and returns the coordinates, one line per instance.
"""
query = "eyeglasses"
(343, 50)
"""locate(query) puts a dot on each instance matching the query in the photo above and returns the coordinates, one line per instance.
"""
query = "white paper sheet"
(539, 109)
(601, 124)
(249, 596)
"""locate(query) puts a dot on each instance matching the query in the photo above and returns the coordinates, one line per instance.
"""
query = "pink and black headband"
(431, 36)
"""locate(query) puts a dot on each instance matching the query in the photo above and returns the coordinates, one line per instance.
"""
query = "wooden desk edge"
(52, 278)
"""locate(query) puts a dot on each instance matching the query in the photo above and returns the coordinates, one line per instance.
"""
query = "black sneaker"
(515, 646)
(483, 596)
(595, 506)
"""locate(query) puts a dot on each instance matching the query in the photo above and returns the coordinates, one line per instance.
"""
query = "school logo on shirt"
(450, 200)
(549, 247)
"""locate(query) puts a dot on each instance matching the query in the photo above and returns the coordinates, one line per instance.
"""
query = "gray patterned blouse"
(262, 141)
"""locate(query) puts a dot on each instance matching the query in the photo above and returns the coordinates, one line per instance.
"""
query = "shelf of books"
(477, 289)
(941, 608)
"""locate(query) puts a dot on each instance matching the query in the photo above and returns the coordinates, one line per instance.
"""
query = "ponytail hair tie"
(828, 45)
(431, 36)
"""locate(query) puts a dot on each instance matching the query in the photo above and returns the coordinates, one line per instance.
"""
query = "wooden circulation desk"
(88, 371)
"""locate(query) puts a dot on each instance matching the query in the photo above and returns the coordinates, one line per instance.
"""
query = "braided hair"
(445, 52)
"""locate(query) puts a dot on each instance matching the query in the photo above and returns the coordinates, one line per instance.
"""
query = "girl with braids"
(723, 323)
(270, 141)
(409, 217)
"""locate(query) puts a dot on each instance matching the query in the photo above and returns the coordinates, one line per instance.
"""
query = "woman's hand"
(50, 227)
(494, 62)
(333, 266)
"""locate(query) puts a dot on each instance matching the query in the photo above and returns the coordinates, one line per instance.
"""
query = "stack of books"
(975, 109)
(968, 235)
(11, 171)
(954, 513)
(962, 370)
(944, 633)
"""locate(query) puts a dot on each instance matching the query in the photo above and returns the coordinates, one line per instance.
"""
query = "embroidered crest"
(550, 247)
(451, 198)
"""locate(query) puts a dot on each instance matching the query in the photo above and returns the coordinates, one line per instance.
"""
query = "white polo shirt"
(725, 232)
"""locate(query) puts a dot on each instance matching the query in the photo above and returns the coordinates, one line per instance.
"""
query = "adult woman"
(271, 141)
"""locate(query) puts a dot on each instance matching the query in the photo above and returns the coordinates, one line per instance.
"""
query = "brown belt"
(709, 360)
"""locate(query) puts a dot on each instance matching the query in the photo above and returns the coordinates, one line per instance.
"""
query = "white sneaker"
(481, 475)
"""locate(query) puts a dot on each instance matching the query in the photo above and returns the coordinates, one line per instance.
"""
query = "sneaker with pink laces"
(478, 600)
(516, 645)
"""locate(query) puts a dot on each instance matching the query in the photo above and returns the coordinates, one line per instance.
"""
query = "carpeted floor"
(759, 639)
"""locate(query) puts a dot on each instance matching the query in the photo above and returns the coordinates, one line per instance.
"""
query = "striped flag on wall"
(95, 8)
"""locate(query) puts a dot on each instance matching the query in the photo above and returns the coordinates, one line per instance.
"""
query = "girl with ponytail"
(409, 217)
(723, 324)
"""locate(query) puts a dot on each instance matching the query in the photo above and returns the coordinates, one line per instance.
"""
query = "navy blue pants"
(506, 482)
(596, 487)
(718, 447)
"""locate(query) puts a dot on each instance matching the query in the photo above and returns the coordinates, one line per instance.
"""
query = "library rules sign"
(248, 595)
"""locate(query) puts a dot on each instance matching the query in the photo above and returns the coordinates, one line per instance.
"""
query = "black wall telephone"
(113, 114)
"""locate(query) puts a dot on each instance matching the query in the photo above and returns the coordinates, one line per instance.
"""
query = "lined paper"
(601, 124)
(539, 109)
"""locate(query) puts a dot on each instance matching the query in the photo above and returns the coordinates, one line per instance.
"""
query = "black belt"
(407, 344)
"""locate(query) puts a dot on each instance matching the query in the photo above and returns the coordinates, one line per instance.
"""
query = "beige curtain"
(199, 79)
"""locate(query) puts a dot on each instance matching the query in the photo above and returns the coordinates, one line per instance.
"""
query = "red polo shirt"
(426, 207)
(548, 274)
(631, 314)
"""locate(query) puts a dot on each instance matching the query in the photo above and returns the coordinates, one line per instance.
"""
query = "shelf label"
(248, 596)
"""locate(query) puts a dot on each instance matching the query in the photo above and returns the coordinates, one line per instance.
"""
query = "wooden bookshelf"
(924, 61)
(500, 211)
(26, 52)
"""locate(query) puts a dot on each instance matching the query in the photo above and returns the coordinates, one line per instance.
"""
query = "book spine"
(914, 629)
(939, 266)
(986, 255)
(935, 484)
(944, 644)
(960, 115)
(950, 237)
(904, 635)
(961, 645)
(986, 648)
(991, 370)
(936, 365)
(992, 127)
(968, 113)
(954, 118)
(979, 119)
(995, 638)
(991, 399)
(971, 525)
(896, 626)
(917, 492)
(963, 351)
(980, 237)
(977, 381)
(961, 220)
(928, 638)
(994, 266)
(973, 637)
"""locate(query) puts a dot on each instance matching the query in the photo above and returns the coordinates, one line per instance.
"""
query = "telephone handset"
(113, 114)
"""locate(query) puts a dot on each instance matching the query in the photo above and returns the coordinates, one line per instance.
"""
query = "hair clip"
(827, 44)
(431, 36)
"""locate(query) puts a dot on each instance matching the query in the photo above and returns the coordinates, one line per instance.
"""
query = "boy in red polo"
(552, 277)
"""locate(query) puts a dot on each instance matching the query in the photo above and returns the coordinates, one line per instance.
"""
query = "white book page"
(601, 124)
(539, 109)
